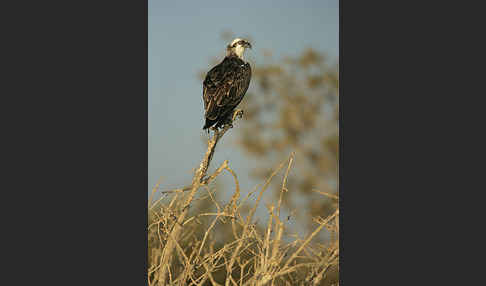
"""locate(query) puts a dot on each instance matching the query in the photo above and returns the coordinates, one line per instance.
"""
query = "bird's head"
(237, 47)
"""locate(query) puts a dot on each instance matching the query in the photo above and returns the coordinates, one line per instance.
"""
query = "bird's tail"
(209, 123)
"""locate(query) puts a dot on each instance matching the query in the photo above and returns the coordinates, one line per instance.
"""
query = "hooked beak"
(247, 45)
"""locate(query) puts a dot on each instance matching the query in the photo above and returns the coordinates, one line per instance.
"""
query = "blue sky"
(182, 37)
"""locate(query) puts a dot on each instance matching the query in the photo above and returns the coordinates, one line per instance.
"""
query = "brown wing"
(224, 87)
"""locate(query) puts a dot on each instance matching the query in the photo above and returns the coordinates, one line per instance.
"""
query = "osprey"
(225, 85)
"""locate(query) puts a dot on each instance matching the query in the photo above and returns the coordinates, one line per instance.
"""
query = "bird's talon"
(238, 113)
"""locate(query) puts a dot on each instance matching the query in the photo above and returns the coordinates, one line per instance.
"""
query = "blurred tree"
(292, 106)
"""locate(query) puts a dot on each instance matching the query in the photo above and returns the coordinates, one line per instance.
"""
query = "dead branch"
(197, 181)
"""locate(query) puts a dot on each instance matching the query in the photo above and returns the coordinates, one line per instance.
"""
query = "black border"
(389, 57)
(76, 164)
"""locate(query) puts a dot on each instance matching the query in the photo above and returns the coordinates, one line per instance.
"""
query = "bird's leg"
(238, 113)
(229, 122)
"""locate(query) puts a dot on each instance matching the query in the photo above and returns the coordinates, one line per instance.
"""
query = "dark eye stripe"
(242, 42)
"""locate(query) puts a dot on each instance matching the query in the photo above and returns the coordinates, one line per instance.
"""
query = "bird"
(225, 85)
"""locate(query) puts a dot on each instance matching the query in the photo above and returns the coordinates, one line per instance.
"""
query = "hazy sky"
(183, 36)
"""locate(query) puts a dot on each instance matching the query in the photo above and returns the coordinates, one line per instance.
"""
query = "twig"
(286, 269)
(284, 183)
(229, 266)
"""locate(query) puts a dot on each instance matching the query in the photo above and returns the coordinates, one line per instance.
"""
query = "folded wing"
(223, 89)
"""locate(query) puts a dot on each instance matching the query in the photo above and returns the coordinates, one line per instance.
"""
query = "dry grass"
(190, 248)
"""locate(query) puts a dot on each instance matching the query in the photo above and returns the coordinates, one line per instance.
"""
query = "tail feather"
(209, 123)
